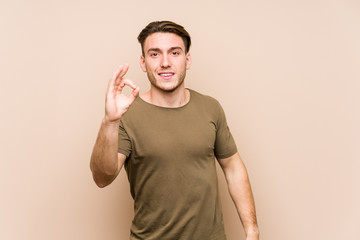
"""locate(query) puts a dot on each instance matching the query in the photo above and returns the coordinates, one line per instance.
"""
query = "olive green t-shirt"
(171, 168)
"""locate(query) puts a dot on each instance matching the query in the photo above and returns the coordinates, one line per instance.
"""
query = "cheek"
(150, 66)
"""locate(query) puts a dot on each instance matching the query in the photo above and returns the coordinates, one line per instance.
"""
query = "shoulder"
(203, 99)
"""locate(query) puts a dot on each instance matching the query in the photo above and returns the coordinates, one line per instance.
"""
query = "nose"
(165, 61)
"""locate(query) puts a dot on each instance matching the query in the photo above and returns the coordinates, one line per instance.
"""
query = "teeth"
(166, 74)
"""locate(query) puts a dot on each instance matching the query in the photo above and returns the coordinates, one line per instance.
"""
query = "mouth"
(166, 75)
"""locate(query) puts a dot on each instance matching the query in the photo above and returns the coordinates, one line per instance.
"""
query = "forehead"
(164, 41)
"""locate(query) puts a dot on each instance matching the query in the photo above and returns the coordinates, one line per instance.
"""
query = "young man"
(168, 139)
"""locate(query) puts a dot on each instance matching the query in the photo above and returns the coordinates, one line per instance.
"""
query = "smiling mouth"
(166, 74)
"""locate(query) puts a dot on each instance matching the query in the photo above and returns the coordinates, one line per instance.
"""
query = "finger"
(124, 70)
(117, 76)
(110, 86)
(117, 72)
(127, 82)
(121, 73)
(112, 81)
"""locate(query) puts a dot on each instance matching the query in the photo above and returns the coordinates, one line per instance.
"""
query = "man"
(168, 139)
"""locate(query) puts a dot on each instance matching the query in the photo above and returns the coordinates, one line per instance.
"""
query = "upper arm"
(121, 161)
(225, 146)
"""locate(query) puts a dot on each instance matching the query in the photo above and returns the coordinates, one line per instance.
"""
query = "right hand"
(117, 103)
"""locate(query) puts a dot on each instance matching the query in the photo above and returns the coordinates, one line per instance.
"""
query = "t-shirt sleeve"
(225, 145)
(124, 142)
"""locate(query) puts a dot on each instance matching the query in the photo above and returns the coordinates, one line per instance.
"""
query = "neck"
(177, 98)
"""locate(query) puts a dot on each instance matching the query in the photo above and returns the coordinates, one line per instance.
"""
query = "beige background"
(286, 72)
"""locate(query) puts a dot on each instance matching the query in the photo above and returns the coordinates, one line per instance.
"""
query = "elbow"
(103, 177)
(101, 182)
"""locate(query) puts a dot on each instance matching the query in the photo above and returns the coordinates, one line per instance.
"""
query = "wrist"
(252, 231)
(107, 122)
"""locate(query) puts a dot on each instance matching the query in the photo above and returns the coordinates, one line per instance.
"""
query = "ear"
(188, 61)
(142, 63)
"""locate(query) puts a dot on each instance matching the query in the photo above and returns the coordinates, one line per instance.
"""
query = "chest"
(174, 135)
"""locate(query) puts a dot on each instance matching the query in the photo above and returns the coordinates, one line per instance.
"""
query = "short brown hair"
(167, 27)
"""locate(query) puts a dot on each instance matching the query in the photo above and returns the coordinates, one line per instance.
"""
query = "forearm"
(240, 191)
(104, 158)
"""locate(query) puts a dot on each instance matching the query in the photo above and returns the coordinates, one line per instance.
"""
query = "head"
(164, 27)
(165, 55)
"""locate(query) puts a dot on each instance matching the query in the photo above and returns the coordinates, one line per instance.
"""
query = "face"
(165, 61)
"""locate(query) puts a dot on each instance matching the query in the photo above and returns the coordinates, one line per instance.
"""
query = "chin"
(168, 88)
(165, 89)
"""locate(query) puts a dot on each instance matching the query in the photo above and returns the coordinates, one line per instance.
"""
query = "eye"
(154, 54)
(175, 53)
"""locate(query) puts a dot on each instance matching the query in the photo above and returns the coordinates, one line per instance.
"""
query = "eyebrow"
(159, 50)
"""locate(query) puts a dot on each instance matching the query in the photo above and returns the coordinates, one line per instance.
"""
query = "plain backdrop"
(285, 71)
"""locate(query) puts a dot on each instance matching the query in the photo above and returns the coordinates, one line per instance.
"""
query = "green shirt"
(171, 168)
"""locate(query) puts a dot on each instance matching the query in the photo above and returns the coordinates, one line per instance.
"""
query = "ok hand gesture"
(116, 102)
